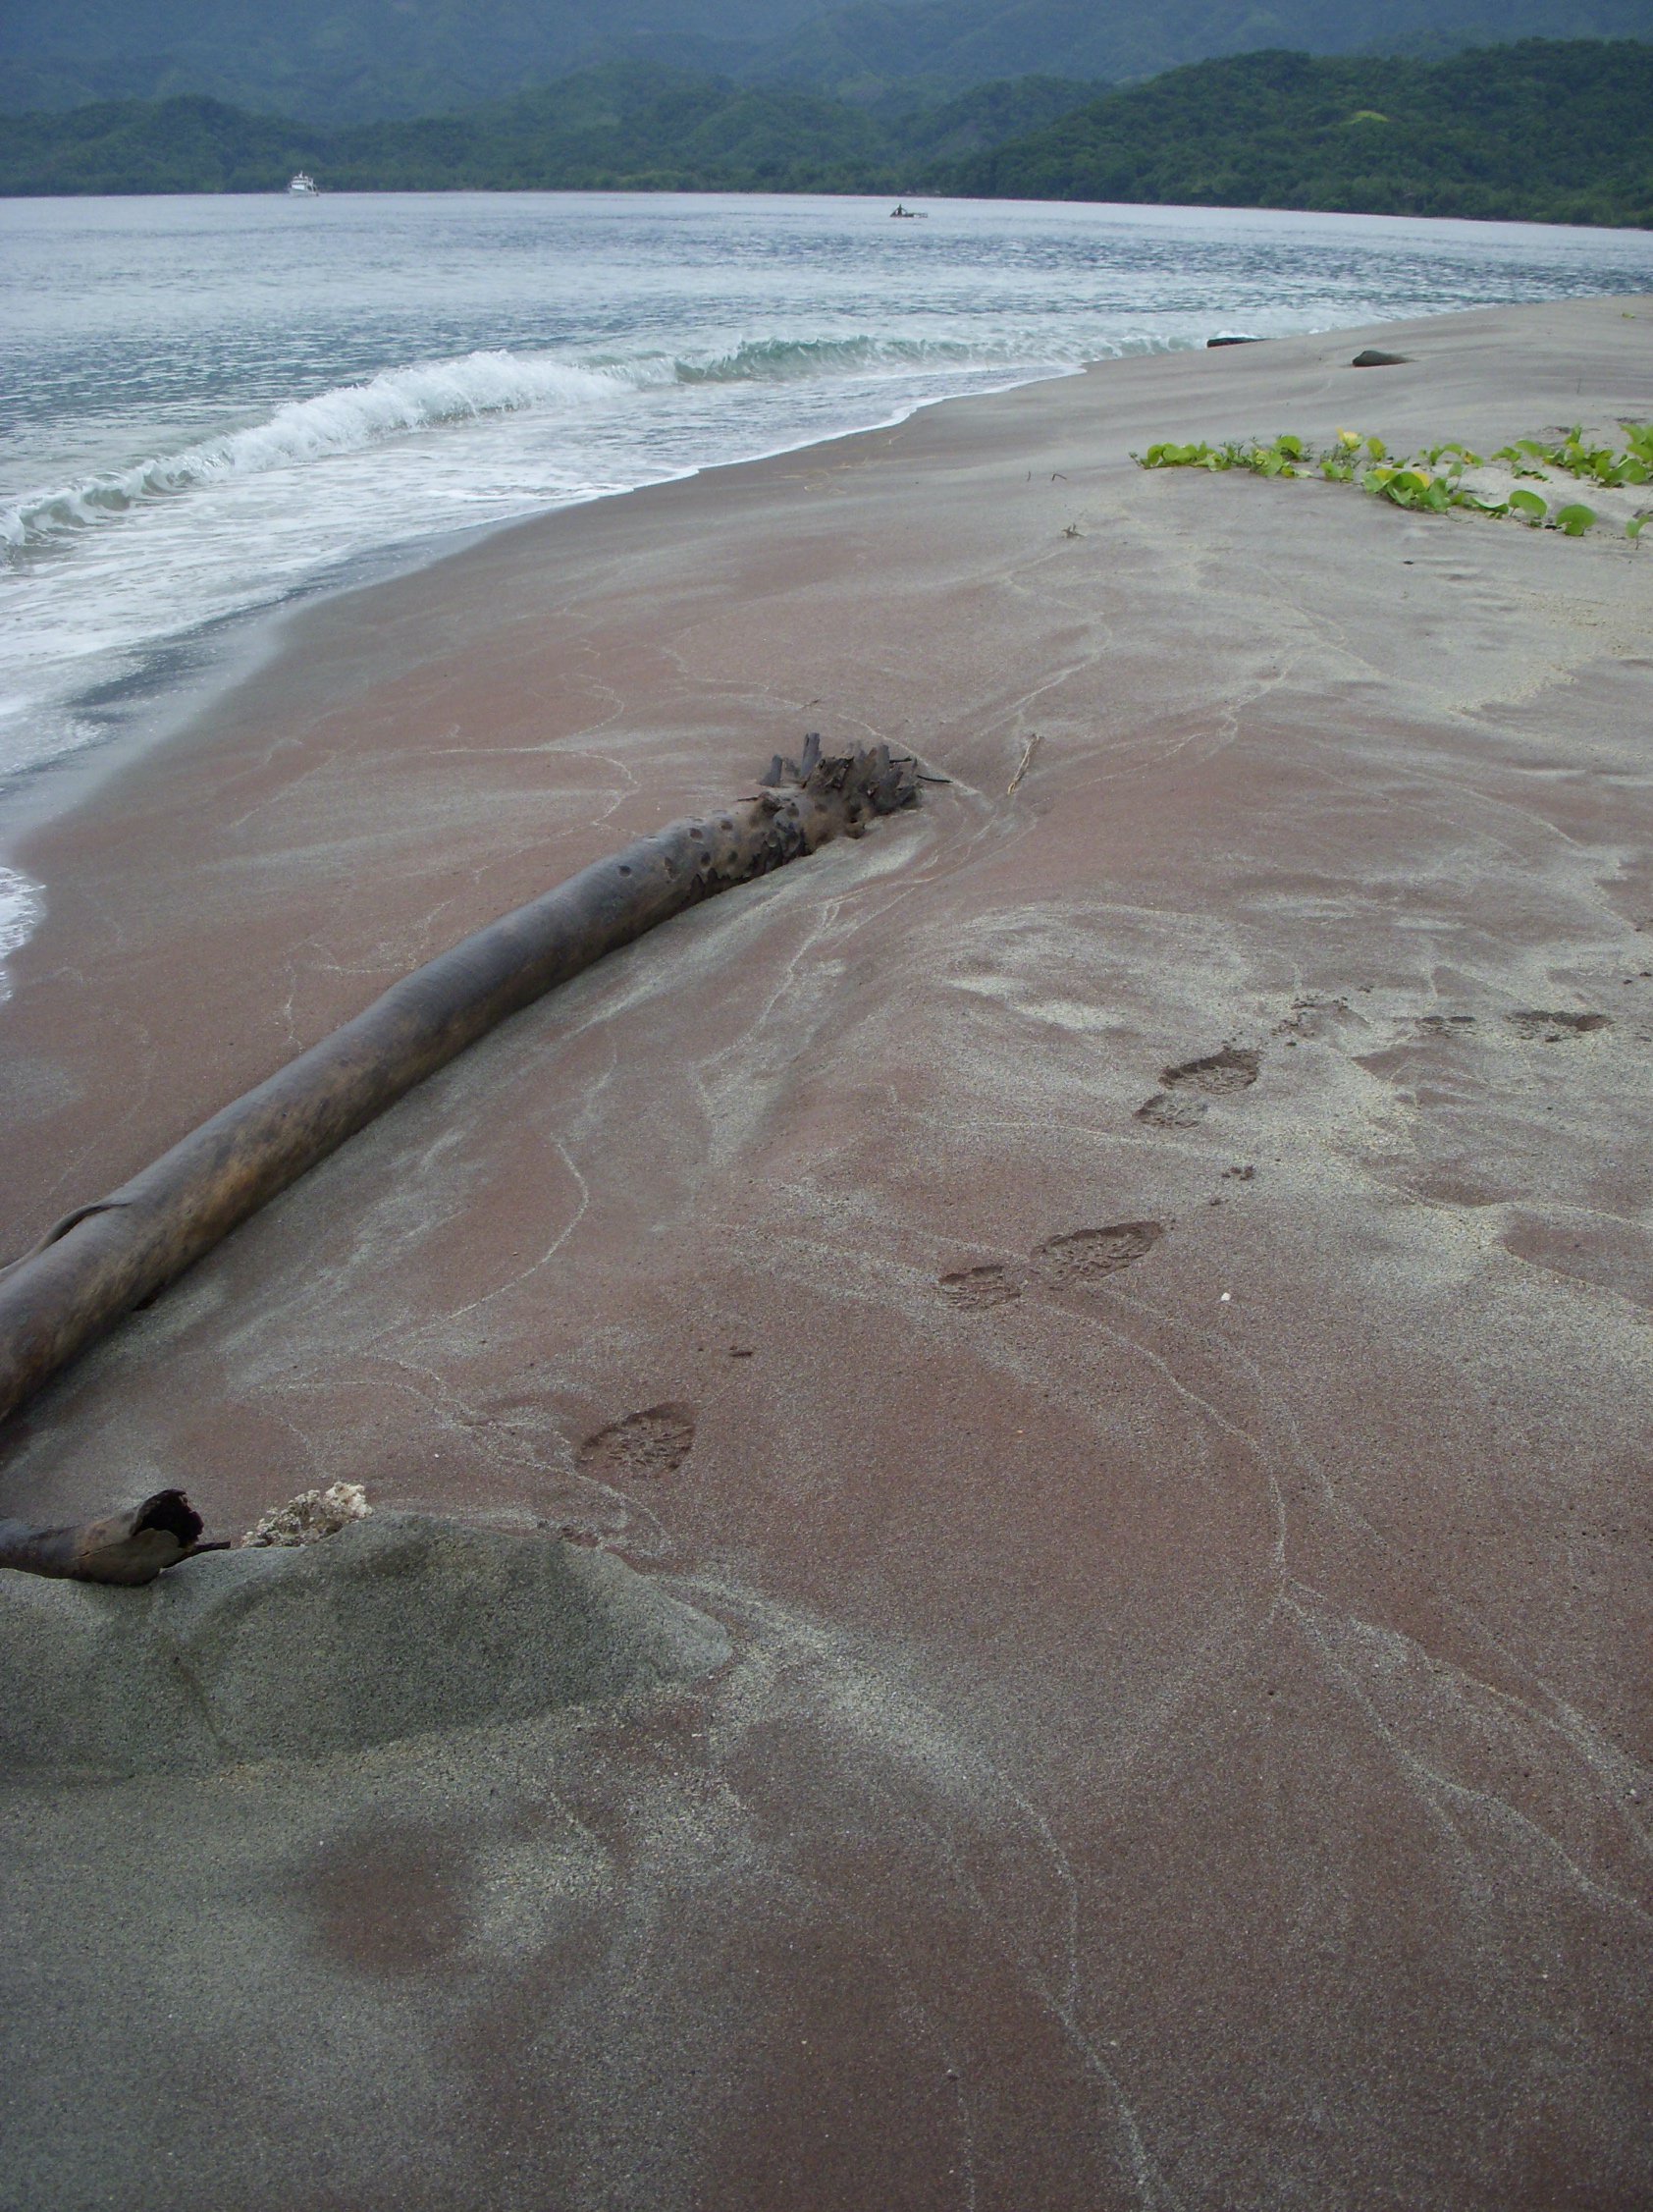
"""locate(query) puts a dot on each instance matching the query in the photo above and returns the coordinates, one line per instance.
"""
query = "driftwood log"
(105, 1258)
(128, 1547)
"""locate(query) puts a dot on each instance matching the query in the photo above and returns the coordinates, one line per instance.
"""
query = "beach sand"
(1187, 1743)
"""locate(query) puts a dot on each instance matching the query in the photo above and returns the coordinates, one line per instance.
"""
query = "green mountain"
(1550, 133)
(624, 127)
(857, 51)
(1539, 131)
(346, 61)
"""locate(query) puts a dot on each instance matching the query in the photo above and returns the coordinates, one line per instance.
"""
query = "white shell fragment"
(311, 1515)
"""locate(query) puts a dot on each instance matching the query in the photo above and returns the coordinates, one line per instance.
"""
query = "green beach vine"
(1433, 482)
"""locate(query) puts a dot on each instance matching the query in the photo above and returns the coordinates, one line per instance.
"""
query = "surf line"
(113, 1254)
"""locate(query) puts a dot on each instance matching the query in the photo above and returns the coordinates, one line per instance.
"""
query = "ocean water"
(212, 404)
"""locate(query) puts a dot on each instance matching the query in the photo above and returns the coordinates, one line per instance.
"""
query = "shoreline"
(1127, 1294)
(230, 649)
(231, 646)
(43, 809)
(417, 549)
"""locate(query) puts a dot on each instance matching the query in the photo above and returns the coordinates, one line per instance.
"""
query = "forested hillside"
(1546, 132)
(341, 61)
(626, 127)
(858, 49)
(1550, 133)
(344, 61)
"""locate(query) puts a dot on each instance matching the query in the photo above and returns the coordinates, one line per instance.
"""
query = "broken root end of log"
(872, 776)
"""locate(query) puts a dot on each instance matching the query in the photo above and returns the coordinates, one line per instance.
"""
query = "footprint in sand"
(1316, 1018)
(1086, 1255)
(1166, 1109)
(1446, 1025)
(1182, 1102)
(653, 1443)
(1234, 1068)
(1555, 1029)
(975, 1289)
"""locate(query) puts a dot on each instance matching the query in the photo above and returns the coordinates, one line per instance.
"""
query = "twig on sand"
(1027, 753)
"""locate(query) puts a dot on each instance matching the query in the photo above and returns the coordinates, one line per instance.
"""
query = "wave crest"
(345, 419)
(350, 417)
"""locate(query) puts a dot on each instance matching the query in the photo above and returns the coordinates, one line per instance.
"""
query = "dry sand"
(1187, 1743)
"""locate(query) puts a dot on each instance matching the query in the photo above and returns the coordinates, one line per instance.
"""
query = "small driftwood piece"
(1029, 751)
(104, 1258)
(127, 1547)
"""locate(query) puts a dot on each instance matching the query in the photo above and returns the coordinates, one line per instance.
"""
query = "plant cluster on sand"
(1433, 482)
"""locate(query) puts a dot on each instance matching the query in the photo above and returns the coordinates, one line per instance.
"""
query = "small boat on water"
(303, 183)
(900, 214)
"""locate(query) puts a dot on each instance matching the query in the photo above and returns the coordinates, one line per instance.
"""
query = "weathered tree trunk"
(127, 1547)
(102, 1259)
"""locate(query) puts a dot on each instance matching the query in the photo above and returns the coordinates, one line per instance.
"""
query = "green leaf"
(1636, 528)
(1169, 455)
(1530, 506)
(1574, 520)
(1407, 487)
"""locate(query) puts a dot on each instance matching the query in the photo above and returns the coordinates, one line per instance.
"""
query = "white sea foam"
(350, 418)
(215, 406)
(345, 419)
(19, 910)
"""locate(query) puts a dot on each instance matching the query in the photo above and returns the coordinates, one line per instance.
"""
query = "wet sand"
(1138, 1292)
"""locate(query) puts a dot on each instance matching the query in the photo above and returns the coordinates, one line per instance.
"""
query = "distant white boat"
(303, 183)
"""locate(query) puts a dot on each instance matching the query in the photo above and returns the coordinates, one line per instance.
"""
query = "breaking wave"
(19, 910)
(342, 420)
(351, 417)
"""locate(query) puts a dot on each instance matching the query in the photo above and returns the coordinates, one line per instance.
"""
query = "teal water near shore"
(216, 404)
